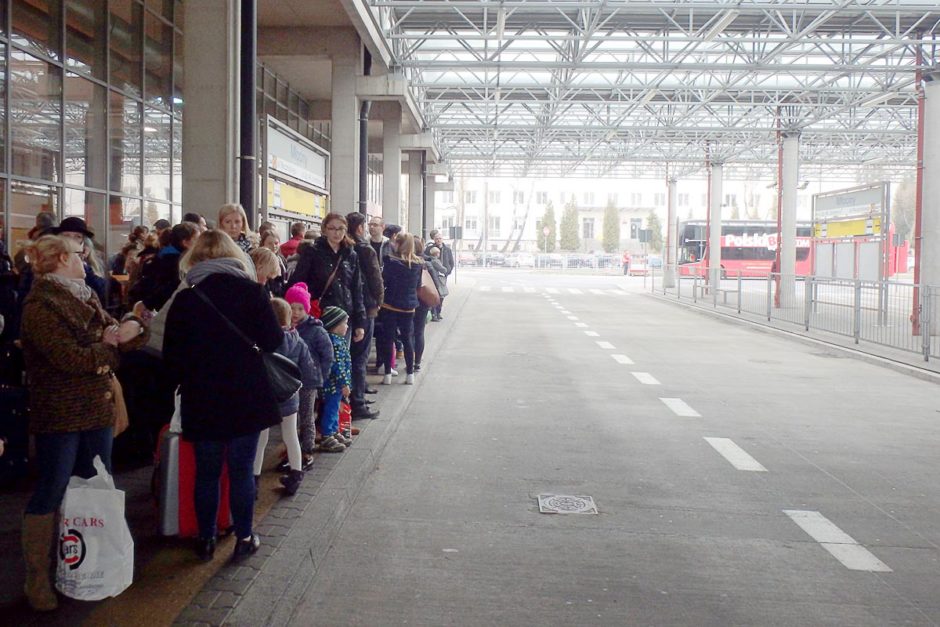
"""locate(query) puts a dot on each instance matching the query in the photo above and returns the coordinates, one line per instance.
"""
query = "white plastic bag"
(96, 551)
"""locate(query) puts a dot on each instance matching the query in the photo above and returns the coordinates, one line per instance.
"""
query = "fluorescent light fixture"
(500, 23)
(723, 22)
(149, 129)
(610, 135)
(647, 97)
(878, 99)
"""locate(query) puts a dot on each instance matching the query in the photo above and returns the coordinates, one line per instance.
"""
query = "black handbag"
(283, 375)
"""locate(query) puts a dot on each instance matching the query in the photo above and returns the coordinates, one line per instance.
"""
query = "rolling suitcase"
(175, 477)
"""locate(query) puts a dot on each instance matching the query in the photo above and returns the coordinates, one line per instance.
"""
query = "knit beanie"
(298, 294)
(332, 316)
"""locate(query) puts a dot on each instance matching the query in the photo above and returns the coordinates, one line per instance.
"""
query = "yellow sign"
(287, 197)
(858, 227)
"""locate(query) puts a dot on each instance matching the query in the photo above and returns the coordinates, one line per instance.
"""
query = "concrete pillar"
(432, 205)
(714, 217)
(672, 237)
(415, 194)
(791, 173)
(344, 156)
(930, 218)
(210, 126)
(391, 170)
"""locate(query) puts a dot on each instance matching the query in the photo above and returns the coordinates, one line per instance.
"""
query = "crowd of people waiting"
(176, 321)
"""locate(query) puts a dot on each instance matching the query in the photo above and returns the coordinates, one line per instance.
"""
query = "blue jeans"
(240, 454)
(404, 323)
(329, 420)
(59, 456)
(360, 355)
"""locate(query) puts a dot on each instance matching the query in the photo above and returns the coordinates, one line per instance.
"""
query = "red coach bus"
(748, 248)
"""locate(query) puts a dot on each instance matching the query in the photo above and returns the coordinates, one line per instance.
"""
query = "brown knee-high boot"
(38, 539)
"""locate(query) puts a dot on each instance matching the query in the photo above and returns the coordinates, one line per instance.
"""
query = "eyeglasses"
(336, 229)
(375, 224)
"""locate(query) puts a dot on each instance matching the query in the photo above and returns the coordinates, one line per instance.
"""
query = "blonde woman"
(268, 270)
(225, 403)
(71, 346)
(234, 222)
(401, 275)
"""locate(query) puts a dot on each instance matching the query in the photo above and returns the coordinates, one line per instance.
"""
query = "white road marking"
(572, 317)
(552, 290)
(596, 291)
(606, 345)
(645, 378)
(573, 290)
(485, 288)
(581, 325)
(529, 290)
(565, 311)
(617, 292)
(622, 359)
(736, 455)
(680, 408)
(841, 545)
(509, 290)
(592, 334)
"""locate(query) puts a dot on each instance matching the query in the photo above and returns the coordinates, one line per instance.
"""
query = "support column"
(791, 172)
(431, 222)
(672, 236)
(714, 219)
(415, 193)
(210, 126)
(391, 170)
(344, 156)
(929, 259)
(248, 115)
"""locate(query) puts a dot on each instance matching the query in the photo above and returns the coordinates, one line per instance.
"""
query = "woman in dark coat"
(71, 347)
(225, 401)
(318, 262)
(401, 275)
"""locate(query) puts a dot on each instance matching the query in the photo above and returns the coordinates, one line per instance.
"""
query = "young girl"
(401, 275)
(303, 318)
(296, 350)
(336, 388)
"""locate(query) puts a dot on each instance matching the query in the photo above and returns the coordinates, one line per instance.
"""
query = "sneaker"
(410, 379)
(283, 466)
(342, 438)
(364, 413)
(417, 367)
(394, 372)
(372, 390)
(387, 379)
(205, 549)
(332, 445)
(308, 462)
(291, 481)
(246, 546)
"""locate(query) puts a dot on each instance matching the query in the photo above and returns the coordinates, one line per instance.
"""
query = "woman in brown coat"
(71, 347)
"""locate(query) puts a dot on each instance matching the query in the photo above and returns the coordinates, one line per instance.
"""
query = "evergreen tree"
(656, 232)
(902, 209)
(569, 227)
(611, 239)
(546, 244)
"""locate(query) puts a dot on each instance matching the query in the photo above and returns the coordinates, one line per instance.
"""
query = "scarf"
(224, 265)
(76, 287)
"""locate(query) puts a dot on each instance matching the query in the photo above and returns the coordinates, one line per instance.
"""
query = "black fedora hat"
(73, 224)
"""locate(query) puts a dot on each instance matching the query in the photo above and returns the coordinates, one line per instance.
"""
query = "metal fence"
(875, 312)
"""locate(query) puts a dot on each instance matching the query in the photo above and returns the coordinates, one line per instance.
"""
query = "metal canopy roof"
(633, 88)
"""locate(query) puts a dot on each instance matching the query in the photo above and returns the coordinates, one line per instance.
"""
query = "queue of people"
(198, 308)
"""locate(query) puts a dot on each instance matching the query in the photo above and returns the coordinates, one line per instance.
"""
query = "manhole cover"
(566, 504)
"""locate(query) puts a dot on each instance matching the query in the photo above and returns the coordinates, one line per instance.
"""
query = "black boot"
(205, 549)
(291, 481)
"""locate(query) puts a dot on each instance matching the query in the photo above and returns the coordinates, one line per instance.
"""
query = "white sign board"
(850, 203)
(288, 156)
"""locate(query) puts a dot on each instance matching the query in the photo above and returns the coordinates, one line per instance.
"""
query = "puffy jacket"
(294, 348)
(401, 283)
(314, 267)
(321, 348)
(159, 278)
(373, 289)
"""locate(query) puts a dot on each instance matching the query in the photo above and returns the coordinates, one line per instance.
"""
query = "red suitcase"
(175, 478)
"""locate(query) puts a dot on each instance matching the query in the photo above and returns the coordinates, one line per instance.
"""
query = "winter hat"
(298, 294)
(332, 316)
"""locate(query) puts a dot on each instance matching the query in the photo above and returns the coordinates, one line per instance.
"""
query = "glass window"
(125, 144)
(158, 60)
(85, 132)
(178, 160)
(3, 111)
(86, 26)
(178, 15)
(154, 211)
(126, 18)
(37, 25)
(157, 136)
(27, 200)
(35, 107)
(178, 73)
(164, 8)
(123, 216)
(90, 207)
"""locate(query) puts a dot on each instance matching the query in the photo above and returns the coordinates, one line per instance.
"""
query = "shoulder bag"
(427, 293)
(283, 375)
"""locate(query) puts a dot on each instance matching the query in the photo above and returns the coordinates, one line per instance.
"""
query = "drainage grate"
(566, 504)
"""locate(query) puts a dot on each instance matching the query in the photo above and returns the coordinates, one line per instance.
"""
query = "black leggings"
(393, 321)
(421, 320)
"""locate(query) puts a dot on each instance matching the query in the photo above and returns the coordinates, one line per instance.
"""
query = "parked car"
(494, 259)
(639, 266)
(549, 260)
(521, 260)
(467, 258)
(654, 261)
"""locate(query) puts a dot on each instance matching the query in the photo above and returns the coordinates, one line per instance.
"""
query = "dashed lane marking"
(596, 291)
(572, 317)
(622, 359)
(617, 292)
(680, 408)
(574, 290)
(840, 545)
(552, 290)
(565, 312)
(485, 288)
(508, 290)
(606, 345)
(737, 456)
(645, 378)
(581, 325)
(592, 334)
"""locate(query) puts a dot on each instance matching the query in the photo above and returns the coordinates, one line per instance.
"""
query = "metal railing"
(876, 312)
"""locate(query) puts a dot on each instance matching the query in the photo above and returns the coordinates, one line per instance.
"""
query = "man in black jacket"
(373, 292)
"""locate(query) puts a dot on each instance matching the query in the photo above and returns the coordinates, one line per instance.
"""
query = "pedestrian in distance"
(71, 347)
(337, 385)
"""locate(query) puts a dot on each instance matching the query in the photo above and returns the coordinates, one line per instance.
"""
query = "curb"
(266, 588)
